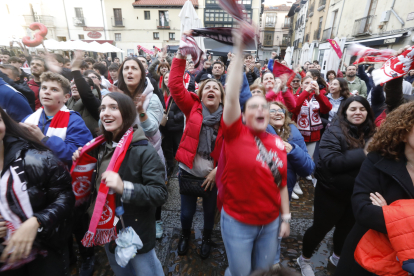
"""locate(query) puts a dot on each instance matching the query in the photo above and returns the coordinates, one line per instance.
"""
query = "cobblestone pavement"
(192, 264)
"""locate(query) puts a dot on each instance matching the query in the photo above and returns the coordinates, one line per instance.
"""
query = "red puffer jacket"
(385, 254)
(190, 104)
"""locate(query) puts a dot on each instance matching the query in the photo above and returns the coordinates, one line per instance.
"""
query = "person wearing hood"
(410, 76)
(134, 83)
(341, 153)
(138, 184)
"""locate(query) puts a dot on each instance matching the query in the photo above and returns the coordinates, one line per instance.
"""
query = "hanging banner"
(336, 47)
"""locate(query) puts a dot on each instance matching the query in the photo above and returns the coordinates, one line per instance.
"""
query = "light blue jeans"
(248, 247)
(141, 265)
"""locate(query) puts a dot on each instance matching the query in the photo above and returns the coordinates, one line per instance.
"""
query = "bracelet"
(287, 218)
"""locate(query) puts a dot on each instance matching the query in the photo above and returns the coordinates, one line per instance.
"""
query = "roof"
(293, 8)
(277, 8)
(158, 3)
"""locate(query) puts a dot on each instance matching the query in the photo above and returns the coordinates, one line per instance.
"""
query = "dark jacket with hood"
(175, 120)
(49, 187)
(391, 179)
(22, 88)
(142, 168)
(338, 165)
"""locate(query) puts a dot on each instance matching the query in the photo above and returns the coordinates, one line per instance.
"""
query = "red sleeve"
(292, 76)
(299, 101)
(339, 74)
(325, 104)
(232, 131)
(270, 96)
(302, 74)
(181, 96)
(290, 101)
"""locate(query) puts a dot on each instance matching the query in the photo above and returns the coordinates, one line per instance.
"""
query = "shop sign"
(94, 34)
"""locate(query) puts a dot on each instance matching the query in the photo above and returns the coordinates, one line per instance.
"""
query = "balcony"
(285, 41)
(321, 5)
(165, 26)
(307, 38)
(317, 35)
(311, 9)
(79, 22)
(362, 26)
(286, 26)
(328, 34)
(270, 25)
(118, 22)
(46, 20)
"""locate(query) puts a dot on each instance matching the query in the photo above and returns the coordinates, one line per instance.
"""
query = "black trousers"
(55, 263)
(79, 229)
(170, 144)
(329, 211)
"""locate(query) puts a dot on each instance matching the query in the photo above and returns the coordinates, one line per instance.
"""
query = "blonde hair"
(64, 83)
(284, 132)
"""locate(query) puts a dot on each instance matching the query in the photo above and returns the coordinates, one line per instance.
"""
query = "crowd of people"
(82, 137)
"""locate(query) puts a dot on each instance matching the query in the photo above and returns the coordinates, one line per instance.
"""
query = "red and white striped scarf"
(366, 54)
(58, 125)
(187, 79)
(309, 119)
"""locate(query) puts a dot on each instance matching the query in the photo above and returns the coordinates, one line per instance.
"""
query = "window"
(156, 36)
(147, 15)
(79, 12)
(172, 36)
(211, 2)
(212, 15)
(270, 20)
(320, 26)
(81, 36)
(117, 37)
(268, 39)
(163, 19)
(244, 2)
(61, 38)
(118, 17)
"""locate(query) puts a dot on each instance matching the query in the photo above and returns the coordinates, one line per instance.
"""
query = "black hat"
(206, 77)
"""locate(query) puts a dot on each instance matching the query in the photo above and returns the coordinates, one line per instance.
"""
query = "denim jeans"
(141, 265)
(248, 247)
(279, 240)
(189, 205)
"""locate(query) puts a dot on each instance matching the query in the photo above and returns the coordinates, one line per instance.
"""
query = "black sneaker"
(87, 267)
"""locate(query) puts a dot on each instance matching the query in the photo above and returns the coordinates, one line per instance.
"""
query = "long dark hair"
(121, 82)
(344, 88)
(15, 130)
(128, 113)
(317, 74)
(362, 131)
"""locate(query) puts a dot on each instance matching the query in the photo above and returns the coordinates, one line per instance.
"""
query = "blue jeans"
(279, 241)
(248, 247)
(141, 265)
(189, 205)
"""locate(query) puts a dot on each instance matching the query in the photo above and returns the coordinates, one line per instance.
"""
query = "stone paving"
(192, 264)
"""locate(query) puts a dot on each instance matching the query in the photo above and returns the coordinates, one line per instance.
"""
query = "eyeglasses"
(296, 81)
(274, 111)
(256, 106)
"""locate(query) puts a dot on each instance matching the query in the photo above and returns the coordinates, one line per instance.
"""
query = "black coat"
(338, 165)
(22, 88)
(49, 186)
(391, 179)
(175, 118)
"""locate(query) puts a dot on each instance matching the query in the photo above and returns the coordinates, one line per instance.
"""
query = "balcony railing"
(328, 34)
(285, 41)
(286, 26)
(165, 26)
(118, 22)
(307, 38)
(270, 25)
(79, 21)
(46, 20)
(311, 9)
(321, 3)
(316, 35)
(362, 25)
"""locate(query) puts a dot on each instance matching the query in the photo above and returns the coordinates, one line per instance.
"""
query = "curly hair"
(284, 132)
(389, 140)
(64, 83)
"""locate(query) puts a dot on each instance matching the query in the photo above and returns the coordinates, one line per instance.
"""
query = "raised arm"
(231, 112)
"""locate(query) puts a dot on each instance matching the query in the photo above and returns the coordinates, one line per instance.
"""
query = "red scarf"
(101, 228)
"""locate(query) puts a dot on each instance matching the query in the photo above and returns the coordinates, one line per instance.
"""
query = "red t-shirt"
(250, 194)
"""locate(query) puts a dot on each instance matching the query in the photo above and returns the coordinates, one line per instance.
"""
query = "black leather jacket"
(48, 185)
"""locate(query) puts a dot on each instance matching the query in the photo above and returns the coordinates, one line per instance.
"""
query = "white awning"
(374, 39)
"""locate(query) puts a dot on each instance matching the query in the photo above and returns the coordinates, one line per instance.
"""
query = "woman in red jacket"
(199, 149)
(309, 105)
(285, 97)
(254, 179)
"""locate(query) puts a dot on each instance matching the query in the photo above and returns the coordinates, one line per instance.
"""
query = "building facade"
(274, 31)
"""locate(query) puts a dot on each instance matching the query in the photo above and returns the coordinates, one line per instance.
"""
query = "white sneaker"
(297, 189)
(314, 181)
(334, 260)
(305, 267)
(294, 196)
(309, 177)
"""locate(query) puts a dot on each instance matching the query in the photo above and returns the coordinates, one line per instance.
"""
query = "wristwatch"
(286, 218)
(142, 115)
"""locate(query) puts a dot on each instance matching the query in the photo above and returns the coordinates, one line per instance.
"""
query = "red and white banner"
(139, 47)
(336, 47)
